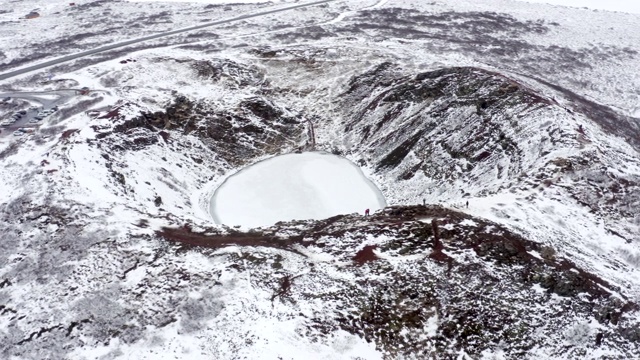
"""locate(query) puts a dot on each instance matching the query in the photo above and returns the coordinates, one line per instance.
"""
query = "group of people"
(366, 211)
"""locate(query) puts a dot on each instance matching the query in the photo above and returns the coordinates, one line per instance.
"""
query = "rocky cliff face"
(471, 132)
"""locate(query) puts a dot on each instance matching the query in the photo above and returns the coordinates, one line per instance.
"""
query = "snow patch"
(431, 327)
(538, 289)
(535, 254)
(468, 222)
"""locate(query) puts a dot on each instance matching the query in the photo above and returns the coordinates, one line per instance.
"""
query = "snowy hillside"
(504, 137)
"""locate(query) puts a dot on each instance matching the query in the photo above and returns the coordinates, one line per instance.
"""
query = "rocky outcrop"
(473, 132)
(256, 128)
(486, 286)
(466, 116)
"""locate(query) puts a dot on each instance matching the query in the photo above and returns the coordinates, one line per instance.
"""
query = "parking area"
(23, 113)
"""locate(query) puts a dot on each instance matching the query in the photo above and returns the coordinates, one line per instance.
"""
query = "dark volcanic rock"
(256, 128)
(492, 285)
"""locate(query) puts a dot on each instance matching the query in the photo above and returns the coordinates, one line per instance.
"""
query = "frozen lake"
(294, 186)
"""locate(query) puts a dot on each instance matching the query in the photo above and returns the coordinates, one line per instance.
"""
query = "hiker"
(467, 204)
(366, 212)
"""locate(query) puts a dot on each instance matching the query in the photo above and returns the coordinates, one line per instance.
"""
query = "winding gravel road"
(82, 54)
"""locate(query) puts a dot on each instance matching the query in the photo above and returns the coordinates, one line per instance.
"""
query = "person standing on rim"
(366, 212)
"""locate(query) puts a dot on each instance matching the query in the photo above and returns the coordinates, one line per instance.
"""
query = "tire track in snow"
(345, 14)
(380, 4)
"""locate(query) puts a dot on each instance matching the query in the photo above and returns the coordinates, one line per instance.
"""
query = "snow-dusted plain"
(517, 123)
(294, 187)
(207, 1)
(628, 6)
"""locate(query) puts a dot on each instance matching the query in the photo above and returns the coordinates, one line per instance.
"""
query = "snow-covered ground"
(208, 1)
(85, 274)
(294, 187)
(629, 6)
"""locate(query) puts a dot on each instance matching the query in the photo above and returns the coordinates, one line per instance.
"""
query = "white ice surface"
(294, 186)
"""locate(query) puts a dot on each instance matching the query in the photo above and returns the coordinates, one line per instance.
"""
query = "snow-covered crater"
(303, 186)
